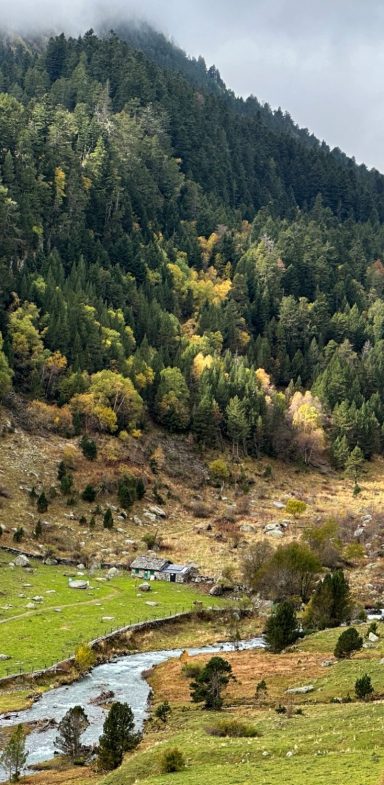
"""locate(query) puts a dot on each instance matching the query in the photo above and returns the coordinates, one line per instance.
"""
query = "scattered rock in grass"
(300, 690)
(372, 637)
(152, 604)
(78, 584)
(247, 527)
(145, 587)
(107, 618)
(31, 606)
(22, 561)
(113, 572)
(154, 509)
(4, 657)
(51, 562)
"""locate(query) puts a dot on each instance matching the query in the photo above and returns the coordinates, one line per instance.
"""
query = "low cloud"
(323, 62)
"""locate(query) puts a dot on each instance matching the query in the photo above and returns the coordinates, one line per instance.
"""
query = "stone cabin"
(178, 573)
(148, 567)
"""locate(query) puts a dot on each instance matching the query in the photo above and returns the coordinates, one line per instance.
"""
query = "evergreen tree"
(118, 736)
(281, 629)
(71, 729)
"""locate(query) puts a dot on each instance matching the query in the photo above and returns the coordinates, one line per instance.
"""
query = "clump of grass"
(233, 728)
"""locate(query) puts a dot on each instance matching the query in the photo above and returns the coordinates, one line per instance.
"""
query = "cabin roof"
(149, 563)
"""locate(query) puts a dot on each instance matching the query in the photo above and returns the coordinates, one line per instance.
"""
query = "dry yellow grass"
(27, 460)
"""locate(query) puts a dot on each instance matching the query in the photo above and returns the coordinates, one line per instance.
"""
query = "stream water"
(124, 676)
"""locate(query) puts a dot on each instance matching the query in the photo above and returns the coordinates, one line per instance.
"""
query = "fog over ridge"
(322, 62)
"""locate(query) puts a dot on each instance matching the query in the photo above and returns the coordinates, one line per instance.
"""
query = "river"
(124, 676)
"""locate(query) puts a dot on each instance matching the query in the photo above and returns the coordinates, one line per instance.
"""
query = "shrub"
(363, 687)
(42, 503)
(219, 471)
(108, 519)
(348, 642)
(127, 491)
(295, 507)
(18, 534)
(191, 670)
(89, 448)
(331, 602)
(84, 658)
(38, 530)
(66, 484)
(151, 540)
(233, 728)
(172, 760)
(89, 493)
(163, 711)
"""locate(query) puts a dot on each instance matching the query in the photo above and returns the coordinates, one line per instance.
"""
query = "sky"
(322, 61)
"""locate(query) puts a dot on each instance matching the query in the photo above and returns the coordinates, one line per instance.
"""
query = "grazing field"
(325, 742)
(63, 617)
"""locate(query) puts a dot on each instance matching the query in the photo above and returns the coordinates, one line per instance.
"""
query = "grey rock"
(145, 587)
(216, 590)
(247, 527)
(113, 572)
(279, 505)
(78, 584)
(51, 562)
(300, 690)
(137, 520)
(158, 511)
(22, 561)
(372, 637)
(4, 657)
(81, 566)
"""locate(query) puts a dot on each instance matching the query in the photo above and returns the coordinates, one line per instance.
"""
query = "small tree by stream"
(71, 728)
(14, 757)
(118, 736)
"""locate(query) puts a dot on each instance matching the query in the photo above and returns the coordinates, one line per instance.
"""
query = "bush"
(163, 711)
(89, 493)
(172, 760)
(348, 642)
(219, 471)
(191, 670)
(233, 728)
(89, 448)
(118, 737)
(108, 519)
(38, 530)
(295, 507)
(84, 658)
(66, 484)
(42, 503)
(18, 534)
(151, 540)
(363, 687)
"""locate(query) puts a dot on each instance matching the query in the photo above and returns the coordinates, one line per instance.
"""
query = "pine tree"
(118, 736)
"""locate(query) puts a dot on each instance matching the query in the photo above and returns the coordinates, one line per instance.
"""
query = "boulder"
(4, 657)
(158, 511)
(137, 520)
(78, 584)
(217, 590)
(107, 618)
(151, 604)
(113, 572)
(30, 606)
(358, 532)
(22, 561)
(81, 566)
(51, 562)
(372, 637)
(300, 690)
(275, 533)
(145, 587)
(247, 528)
(279, 505)
(150, 516)
(37, 599)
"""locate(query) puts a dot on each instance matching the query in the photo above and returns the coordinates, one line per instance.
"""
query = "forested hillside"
(171, 252)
